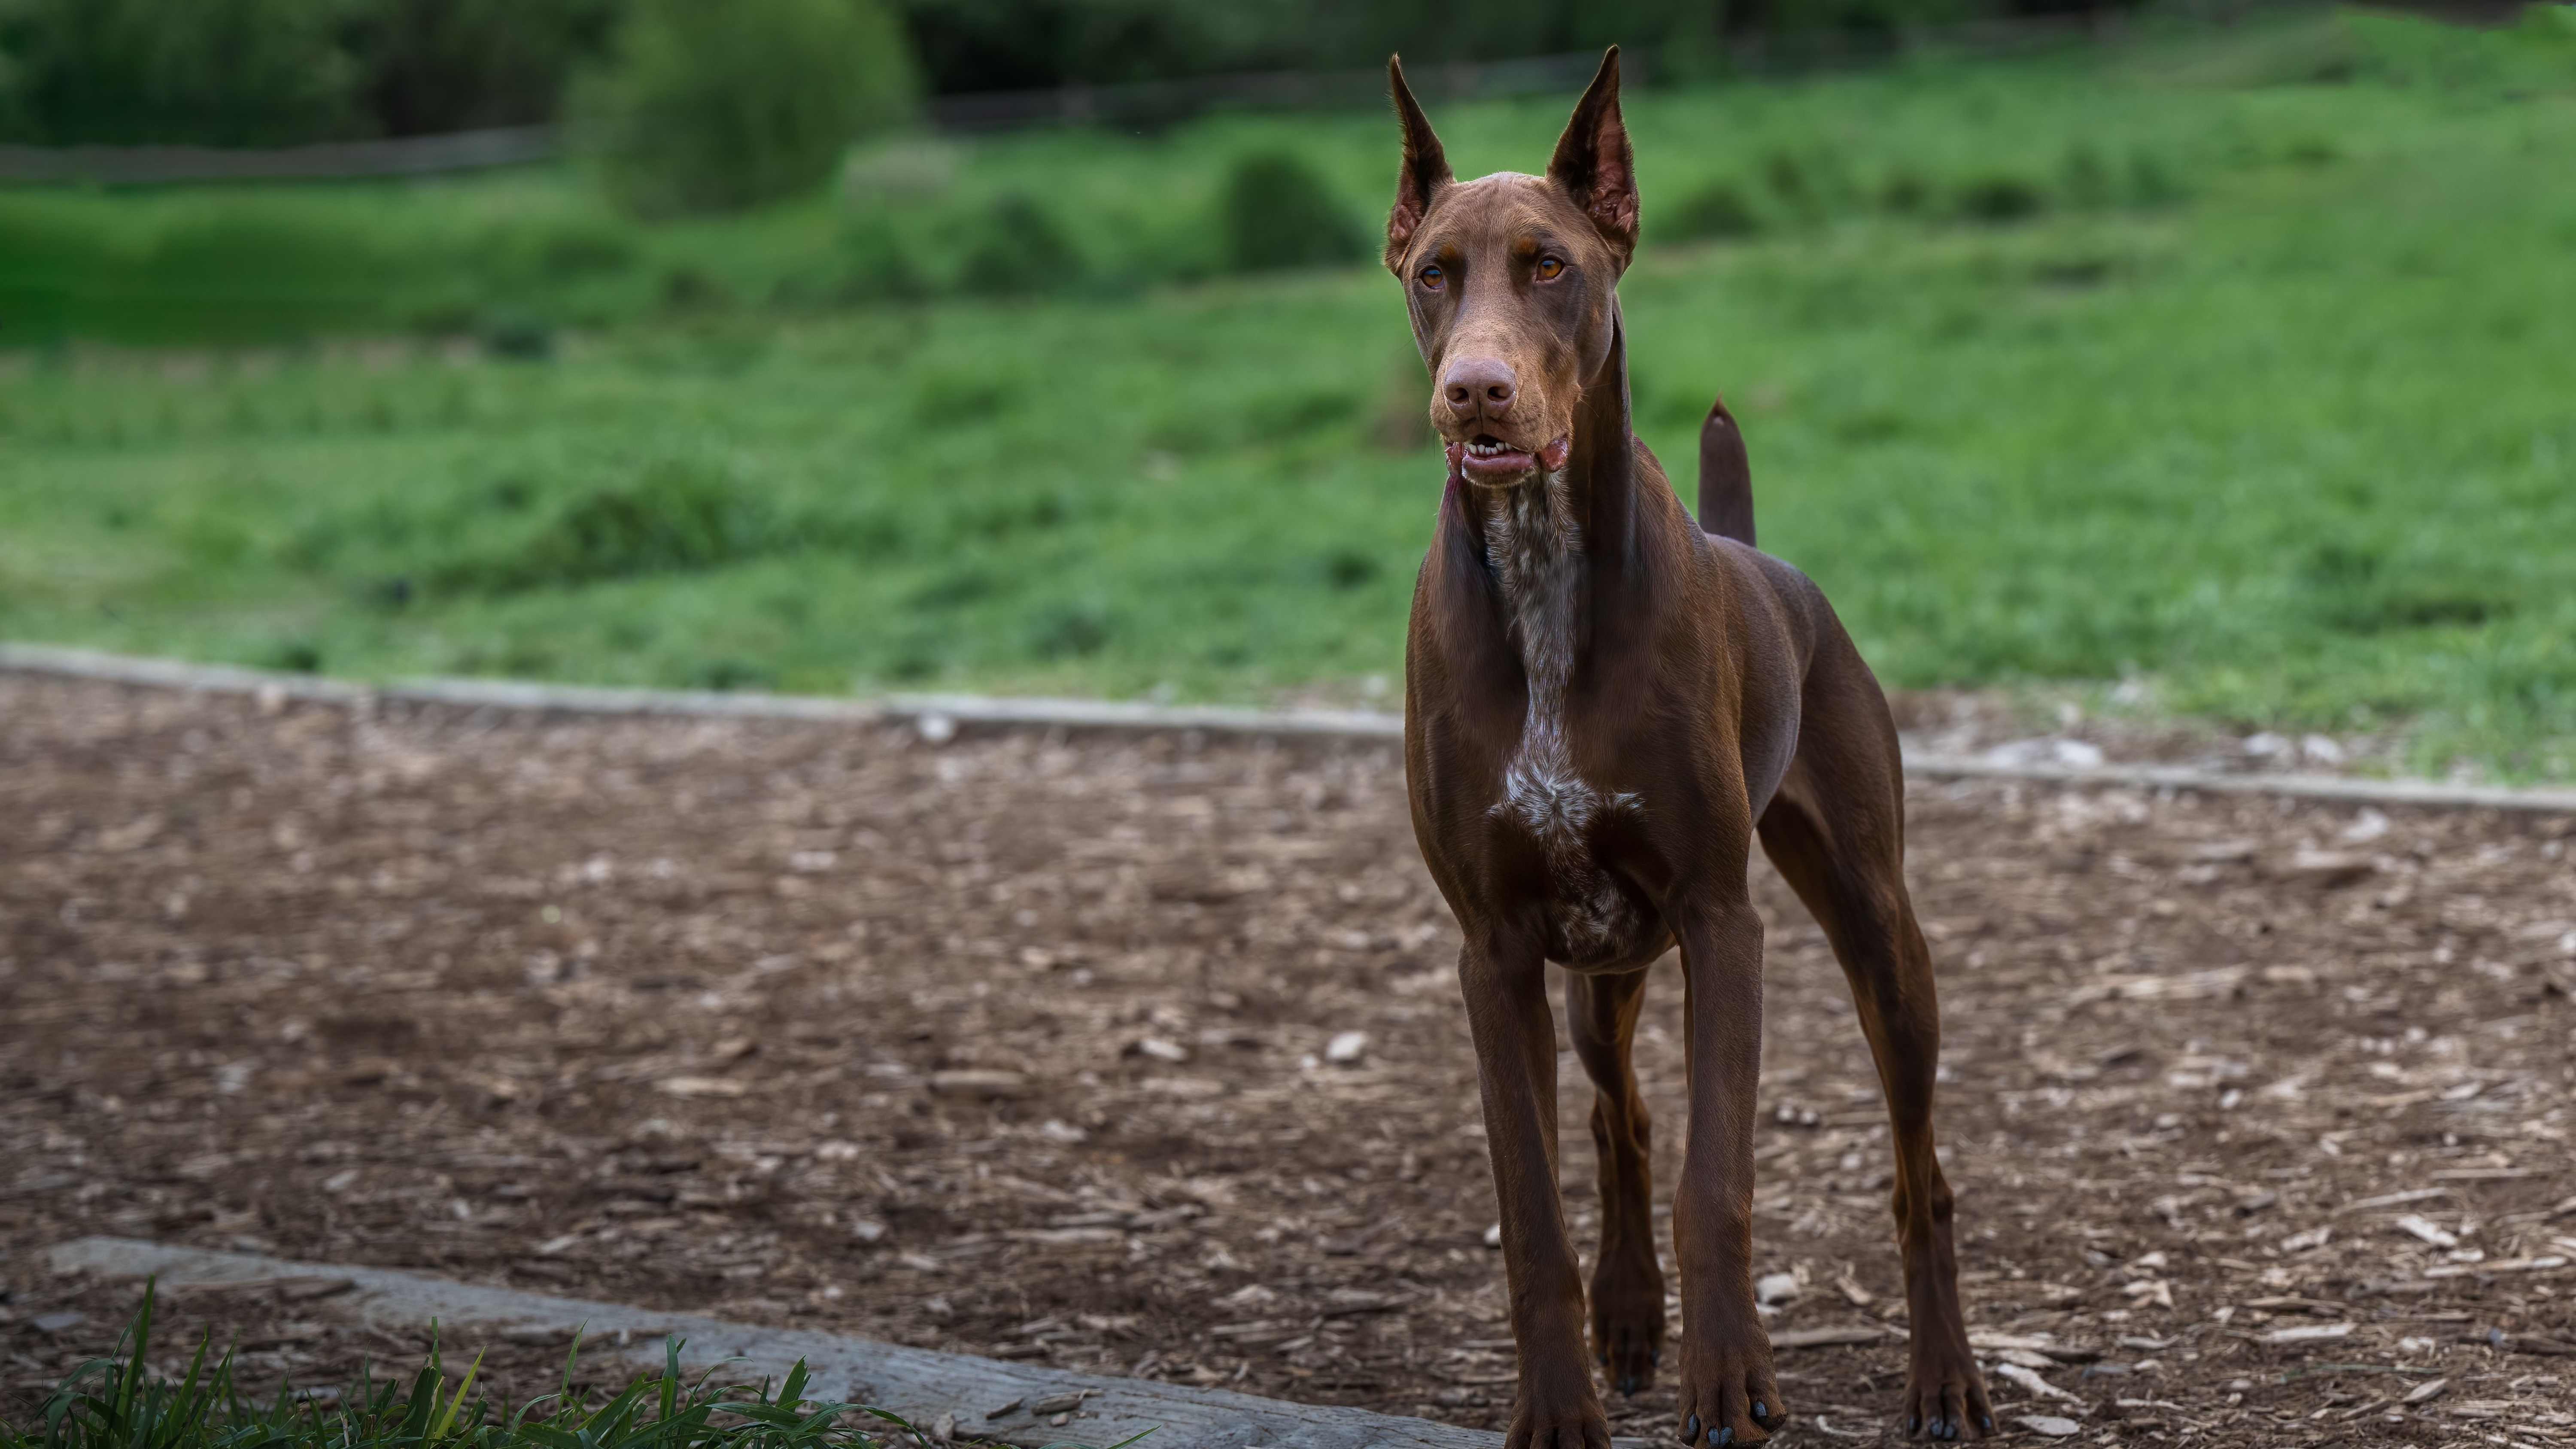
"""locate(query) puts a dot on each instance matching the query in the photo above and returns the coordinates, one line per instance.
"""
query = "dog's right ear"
(1425, 173)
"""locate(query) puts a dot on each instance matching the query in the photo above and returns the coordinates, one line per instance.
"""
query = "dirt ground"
(1024, 1046)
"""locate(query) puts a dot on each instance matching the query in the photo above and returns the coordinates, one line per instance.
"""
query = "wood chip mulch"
(1026, 1046)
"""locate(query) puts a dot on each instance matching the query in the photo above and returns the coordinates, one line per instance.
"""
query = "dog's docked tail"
(1725, 477)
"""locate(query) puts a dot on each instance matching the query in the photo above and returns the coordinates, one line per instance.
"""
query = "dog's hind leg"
(1836, 831)
(1627, 1282)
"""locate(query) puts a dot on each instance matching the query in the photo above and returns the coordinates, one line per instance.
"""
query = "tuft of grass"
(120, 1402)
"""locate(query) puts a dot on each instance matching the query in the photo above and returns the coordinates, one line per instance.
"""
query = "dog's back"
(1725, 477)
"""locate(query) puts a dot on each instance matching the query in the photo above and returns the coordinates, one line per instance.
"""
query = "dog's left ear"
(1592, 161)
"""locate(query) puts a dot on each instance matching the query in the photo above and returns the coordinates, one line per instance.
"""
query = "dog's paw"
(1557, 1407)
(1729, 1395)
(1945, 1396)
(1628, 1325)
(1533, 1431)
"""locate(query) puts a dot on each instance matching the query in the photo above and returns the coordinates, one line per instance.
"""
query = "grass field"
(2237, 368)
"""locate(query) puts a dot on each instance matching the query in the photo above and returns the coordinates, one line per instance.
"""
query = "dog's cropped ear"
(1426, 168)
(1592, 161)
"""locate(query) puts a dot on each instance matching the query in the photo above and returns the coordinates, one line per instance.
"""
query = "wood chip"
(2307, 1333)
(2030, 1380)
(2428, 1230)
(979, 1086)
(2484, 1174)
(2323, 869)
(2425, 1391)
(702, 1087)
(1828, 1337)
(2412, 1194)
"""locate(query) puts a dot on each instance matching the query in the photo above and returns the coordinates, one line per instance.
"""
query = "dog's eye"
(1550, 268)
(1432, 277)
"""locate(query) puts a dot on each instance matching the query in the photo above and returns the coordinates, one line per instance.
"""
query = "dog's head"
(1511, 281)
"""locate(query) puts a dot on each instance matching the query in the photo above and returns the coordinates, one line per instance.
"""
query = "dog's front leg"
(1728, 1393)
(1505, 983)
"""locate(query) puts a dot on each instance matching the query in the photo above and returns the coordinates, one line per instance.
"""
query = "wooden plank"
(916, 1383)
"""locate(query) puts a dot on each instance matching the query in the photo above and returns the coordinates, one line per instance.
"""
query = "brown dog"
(1604, 700)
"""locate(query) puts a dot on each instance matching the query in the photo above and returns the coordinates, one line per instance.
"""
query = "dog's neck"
(1548, 537)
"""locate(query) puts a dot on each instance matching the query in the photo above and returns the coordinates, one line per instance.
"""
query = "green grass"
(2233, 367)
(122, 1403)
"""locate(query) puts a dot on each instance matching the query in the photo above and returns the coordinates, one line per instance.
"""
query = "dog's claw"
(1759, 1413)
(1724, 1436)
(1690, 1431)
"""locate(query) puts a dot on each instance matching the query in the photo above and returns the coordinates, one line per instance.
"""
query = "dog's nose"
(1479, 383)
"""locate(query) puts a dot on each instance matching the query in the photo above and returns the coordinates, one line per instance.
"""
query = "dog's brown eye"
(1432, 277)
(1549, 268)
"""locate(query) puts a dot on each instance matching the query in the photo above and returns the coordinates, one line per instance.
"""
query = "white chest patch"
(1534, 547)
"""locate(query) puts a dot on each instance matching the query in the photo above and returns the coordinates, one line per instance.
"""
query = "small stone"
(2050, 1425)
(56, 1322)
(1494, 1236)
(2425, 1391)
(935, 728)
(943, 1429)
(1775, 1288)
(1159, 1049)
(866, 1230)
(1347, 1048)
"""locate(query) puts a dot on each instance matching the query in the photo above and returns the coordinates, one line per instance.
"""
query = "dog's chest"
(1593, 917)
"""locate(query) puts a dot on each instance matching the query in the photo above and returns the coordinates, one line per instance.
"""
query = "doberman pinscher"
(1605, 700)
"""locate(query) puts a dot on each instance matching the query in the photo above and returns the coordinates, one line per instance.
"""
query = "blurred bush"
(1016, 246)
(672, 515)
(717, 107)
(1715, 211)
(217, 72)
(2538, 54)
(1278, 211)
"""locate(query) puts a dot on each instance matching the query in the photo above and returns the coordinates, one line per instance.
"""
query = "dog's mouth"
(1486, 457)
